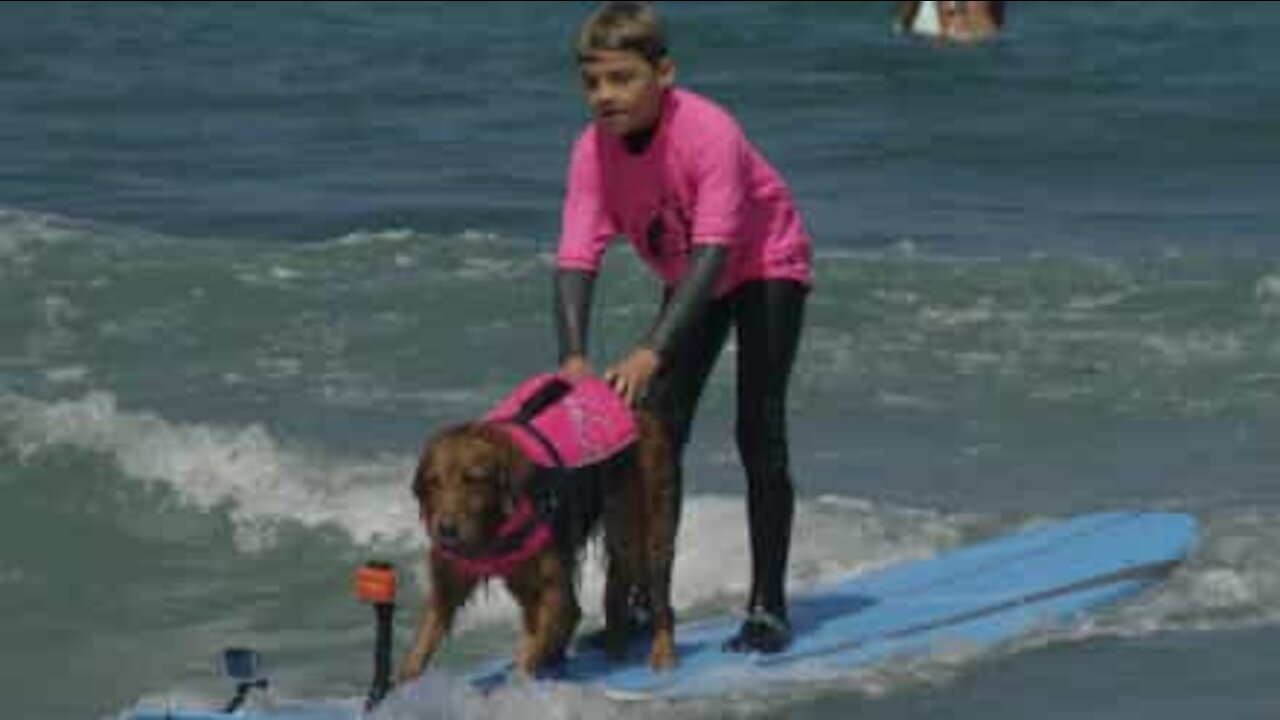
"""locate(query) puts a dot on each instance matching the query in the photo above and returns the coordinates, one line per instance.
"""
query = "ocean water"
(251, 254)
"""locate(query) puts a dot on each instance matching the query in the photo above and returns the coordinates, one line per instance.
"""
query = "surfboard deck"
(973, 597)
(302, 711)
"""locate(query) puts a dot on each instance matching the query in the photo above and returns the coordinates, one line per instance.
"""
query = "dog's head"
(468, 480)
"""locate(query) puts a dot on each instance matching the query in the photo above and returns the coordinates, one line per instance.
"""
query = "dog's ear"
(513, 470)
(509, 479)
(421, 486)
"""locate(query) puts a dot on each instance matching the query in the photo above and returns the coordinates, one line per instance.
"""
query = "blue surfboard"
(973, 597)
(1043, 577)
(300, 711)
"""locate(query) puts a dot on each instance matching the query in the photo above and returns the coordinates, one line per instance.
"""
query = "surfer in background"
(674, 173)
(961, 21)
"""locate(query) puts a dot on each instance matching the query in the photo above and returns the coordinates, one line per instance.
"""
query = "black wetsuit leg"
(678, 386)
(769, 317)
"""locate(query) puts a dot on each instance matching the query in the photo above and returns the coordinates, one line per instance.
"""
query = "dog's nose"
(448, 532)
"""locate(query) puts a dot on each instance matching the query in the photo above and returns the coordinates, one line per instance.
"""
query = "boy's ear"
(666, 72)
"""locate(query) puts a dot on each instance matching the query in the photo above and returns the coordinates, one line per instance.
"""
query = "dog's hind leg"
(662, 496)
(662, 652)
(620, 582)
(626, 529)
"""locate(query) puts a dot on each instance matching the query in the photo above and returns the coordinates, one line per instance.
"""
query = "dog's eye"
(478, 475)
(427, 483)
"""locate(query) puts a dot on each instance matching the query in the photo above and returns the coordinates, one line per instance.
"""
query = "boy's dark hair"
(625, 26)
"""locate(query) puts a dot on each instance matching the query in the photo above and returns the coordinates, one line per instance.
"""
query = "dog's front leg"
(449, 591)
(549, 609)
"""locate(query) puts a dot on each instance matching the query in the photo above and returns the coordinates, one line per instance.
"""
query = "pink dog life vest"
(559, 424)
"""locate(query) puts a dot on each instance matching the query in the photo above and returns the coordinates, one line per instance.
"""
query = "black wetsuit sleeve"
(685, 307)
(573, 310)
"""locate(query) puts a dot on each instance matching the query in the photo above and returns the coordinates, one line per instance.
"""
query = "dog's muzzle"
(523, 534)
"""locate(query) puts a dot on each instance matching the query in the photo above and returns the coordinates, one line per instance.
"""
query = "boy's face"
(624, 89)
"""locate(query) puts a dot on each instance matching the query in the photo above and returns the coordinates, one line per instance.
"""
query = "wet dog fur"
(469, 478)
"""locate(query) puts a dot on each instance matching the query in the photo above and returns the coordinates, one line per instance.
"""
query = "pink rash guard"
(699, 181)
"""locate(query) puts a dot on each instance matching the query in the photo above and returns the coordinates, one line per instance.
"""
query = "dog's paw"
(662, 655)
(408, 673)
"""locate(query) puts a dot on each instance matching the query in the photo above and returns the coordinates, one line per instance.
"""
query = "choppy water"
(250, 254)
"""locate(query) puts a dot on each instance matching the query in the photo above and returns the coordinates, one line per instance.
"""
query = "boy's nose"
(605, 94)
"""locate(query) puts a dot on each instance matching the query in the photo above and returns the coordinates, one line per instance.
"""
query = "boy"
(674, 173)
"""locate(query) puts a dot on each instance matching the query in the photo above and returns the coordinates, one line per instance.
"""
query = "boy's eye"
(593, 81)
(622, 77)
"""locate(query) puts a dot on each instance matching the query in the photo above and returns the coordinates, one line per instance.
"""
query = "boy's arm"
(689, 300)
(586, 226)
(680, 315)
(573, 289)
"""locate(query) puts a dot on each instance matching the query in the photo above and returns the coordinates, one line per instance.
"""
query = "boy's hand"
(574, 367)
(630, 378)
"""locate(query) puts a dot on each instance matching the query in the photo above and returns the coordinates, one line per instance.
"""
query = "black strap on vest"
(551, 392)
(546, 482)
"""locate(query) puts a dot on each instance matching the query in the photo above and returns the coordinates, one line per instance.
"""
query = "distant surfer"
(961, 21)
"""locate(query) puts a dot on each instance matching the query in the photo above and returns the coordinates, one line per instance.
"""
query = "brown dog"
(491, 511)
